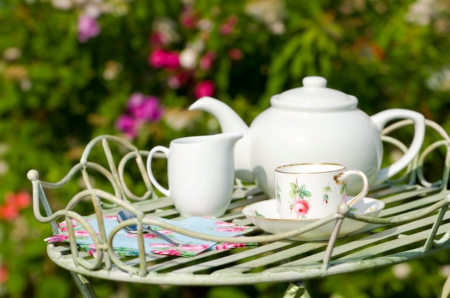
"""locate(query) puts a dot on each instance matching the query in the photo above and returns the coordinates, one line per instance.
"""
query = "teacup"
(200, 173)
(313, 190)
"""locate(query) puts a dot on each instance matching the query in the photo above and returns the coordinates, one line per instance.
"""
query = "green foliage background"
(54, 99)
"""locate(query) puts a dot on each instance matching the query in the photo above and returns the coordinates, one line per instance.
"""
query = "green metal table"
(414, 224)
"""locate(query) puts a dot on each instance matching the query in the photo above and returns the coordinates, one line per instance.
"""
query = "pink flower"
(21, 200)
(110, 217)
(128, 125)
(235, 54)
(231, 229)
(170, 252)
(226, 29)
(87, 28)
(223, 246)
(165, 232)
(8, 212)
(224, 223)
(159, 39)
(161, 244)
(157, 58)
(188, 18)
(205, 88)
(144, 107)
(194, 247)
(228, 26)
(160, 58)
(177, 80)
(145, 236)
(92, 252)
(207, 60)
(172, 60)
(3, 274)
(81, 233)
(74, 223)
(56, 238)
(13, 204)
(301, 207)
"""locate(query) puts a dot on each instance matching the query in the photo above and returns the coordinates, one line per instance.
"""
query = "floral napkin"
(126, 244)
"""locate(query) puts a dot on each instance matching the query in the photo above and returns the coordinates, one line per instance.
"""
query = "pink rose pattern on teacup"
(300, 205)
(299, 193)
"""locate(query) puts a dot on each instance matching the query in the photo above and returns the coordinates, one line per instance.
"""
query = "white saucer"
(264, 214)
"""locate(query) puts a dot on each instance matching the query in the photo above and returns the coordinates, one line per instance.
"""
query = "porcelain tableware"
(313, 190)
(308, 124)
(265, 216)
(200, 173)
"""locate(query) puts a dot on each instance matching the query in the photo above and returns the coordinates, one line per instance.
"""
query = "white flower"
(92, 10)
(11, 54)
(270, 12)
(439, 80)
(25, 84)
(62, 4)
(4, 148)
(205, 25)
(401, 271)
(188, 58)
(422, 12)
(112, 69)
(4, 167)
(445, 270)
(277, 27)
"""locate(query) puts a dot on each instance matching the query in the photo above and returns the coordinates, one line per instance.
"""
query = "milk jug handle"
(166, 151)
(381, 119)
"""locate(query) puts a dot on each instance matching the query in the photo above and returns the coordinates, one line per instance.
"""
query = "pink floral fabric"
(125, 244)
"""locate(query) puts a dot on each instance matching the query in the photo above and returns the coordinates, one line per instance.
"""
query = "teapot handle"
(380, 121)
(166, 151)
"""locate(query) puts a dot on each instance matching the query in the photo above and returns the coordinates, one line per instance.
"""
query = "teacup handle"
(166, 151)
(341, 177)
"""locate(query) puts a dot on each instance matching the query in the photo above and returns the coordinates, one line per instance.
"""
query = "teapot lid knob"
(314, 82)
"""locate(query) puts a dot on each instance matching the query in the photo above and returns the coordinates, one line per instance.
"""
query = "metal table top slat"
(233, 258)
(415, 204)
(409, 194)
(392, 190)
(176, 262)
(273, 258)
(394, 244)
(369, 240)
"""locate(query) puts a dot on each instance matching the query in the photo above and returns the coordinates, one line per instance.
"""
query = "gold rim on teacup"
(278, 169)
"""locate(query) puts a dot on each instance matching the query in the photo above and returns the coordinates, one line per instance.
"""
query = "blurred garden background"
(71, 70)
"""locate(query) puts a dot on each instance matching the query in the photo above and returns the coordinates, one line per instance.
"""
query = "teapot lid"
(314, 96)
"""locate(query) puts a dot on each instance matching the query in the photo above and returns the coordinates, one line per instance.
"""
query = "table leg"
(296, 290)
(83, 285)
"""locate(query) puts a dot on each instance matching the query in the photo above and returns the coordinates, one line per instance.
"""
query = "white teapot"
(312, 124)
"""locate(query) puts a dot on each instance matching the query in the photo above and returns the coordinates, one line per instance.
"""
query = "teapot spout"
(230, 122)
